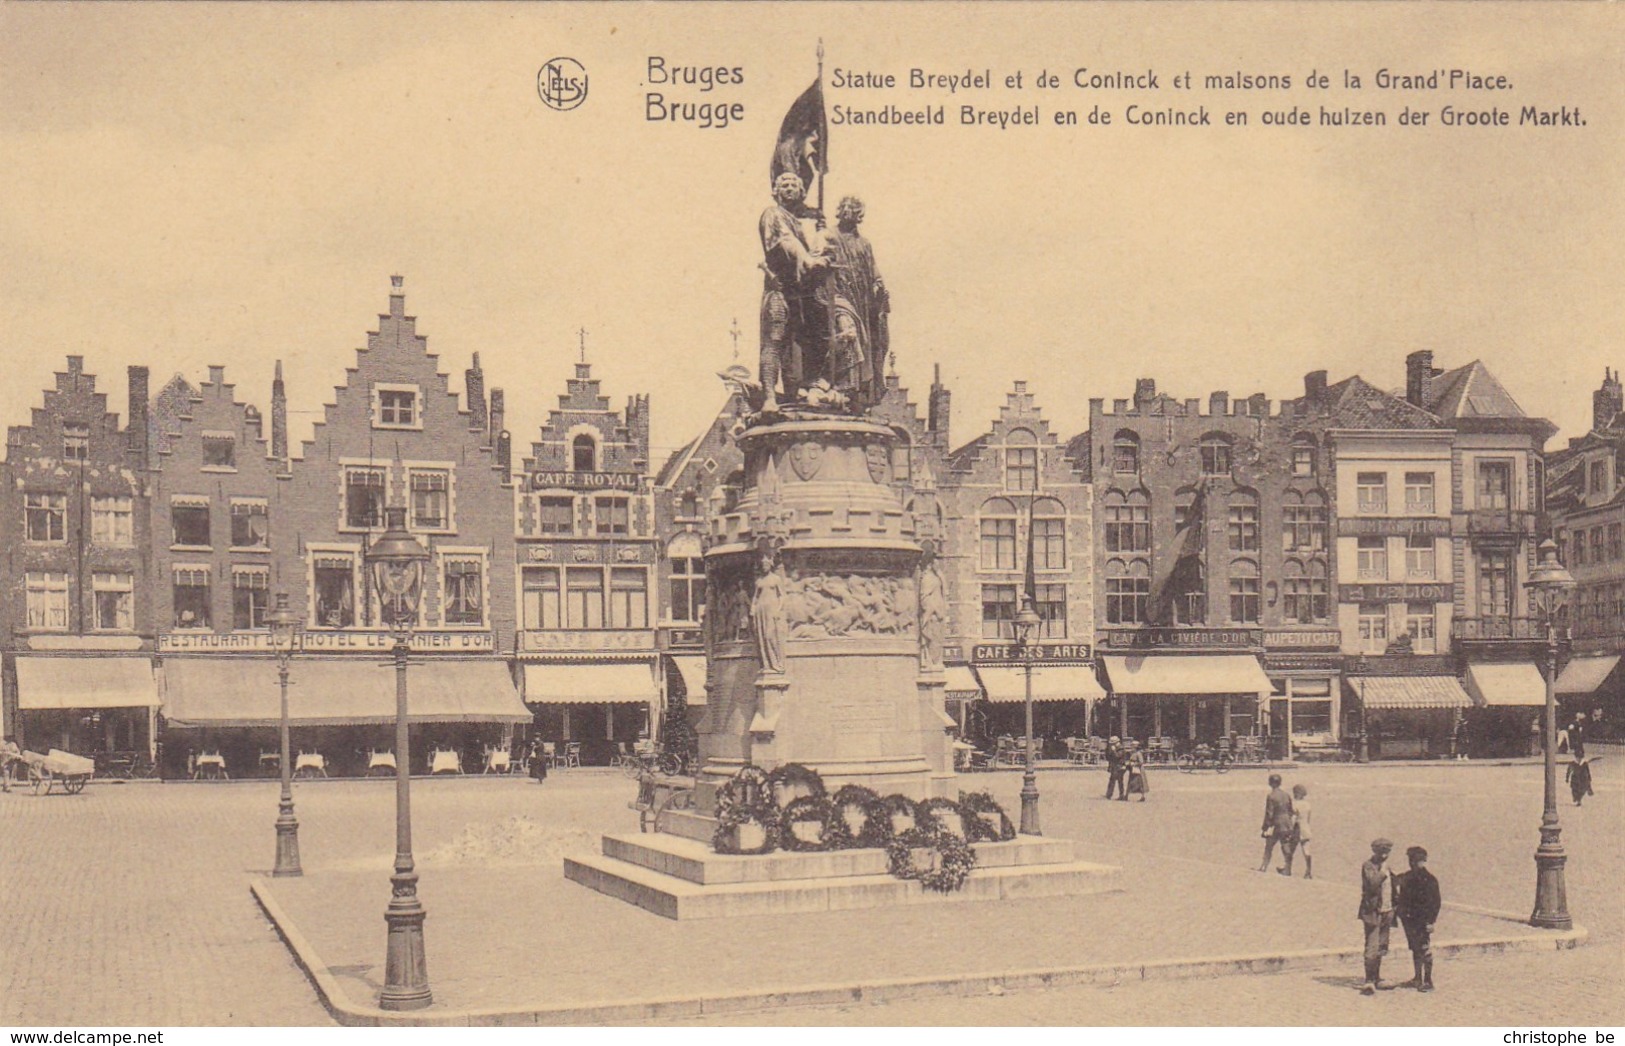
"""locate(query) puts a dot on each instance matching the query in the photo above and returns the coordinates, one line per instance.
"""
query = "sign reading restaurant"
(260, 642)
(628, 481)
(1015, 654)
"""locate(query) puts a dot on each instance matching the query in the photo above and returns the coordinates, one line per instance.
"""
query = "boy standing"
(1376, 911)
(1419, 903)
(1302, 831)
(1277, 826)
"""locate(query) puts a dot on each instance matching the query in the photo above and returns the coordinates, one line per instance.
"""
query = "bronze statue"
(795, 313)
(862, 308)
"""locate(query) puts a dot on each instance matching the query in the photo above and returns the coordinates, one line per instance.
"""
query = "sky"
(198, 184)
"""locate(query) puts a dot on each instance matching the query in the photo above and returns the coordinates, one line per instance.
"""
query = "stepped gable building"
(1392, 598)
(394, 435)
(1211, 542)
(215, 496)
(699, 479)
(1585, 502)
(1017, 507)
(75, 585)
(587, 555)
(1497, 479)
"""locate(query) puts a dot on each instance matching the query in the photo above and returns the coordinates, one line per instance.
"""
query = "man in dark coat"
(1376, 911)
(1277, 825)
(1418, 909)
(1116, 768)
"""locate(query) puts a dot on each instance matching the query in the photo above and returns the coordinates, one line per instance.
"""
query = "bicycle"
(1203, 757)
(648, 760)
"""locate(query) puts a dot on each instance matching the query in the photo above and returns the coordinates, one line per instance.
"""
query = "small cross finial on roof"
(582, 334)
(734, 332)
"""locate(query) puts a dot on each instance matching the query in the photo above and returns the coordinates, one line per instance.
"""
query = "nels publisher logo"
(562, 84)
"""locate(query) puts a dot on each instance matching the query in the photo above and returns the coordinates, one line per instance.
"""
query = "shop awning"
(590, 684)
(1583, 675)
(85, 682)
(1050, 683)
(1410, 692)
(1508, 685)
(229, 692)
(1191, 674)
(692, 670)
(962, 684)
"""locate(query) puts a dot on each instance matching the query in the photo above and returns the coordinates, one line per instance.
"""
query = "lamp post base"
(287, 845)
(1029, 804)
(1551, 891)
(406, 971)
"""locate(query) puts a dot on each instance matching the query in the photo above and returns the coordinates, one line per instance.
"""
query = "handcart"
(57, 767)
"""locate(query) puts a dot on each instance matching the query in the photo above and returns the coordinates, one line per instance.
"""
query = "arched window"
(1303, 455)
(1128, 522)
(1243, 523)
(1216, 454)
(1245, 600)
(687, 578)
(1126, 453)
(584, 453)
(689, 505)
(1128, 589)
(1049, 534)
(1303, 522)
(1021, 461)
(998, 534)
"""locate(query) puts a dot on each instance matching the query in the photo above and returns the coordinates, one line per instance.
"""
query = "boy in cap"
(1116, 768)
(1277, 827)
(1376, 911)
(1418, 908)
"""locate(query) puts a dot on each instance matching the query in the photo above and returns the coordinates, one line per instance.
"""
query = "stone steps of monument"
(696, 862)
(677, 898)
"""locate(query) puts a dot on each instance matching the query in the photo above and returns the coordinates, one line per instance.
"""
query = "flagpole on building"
(823, 146)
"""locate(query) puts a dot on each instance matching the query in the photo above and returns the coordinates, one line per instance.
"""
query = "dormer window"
(75, 441)
(1599, 478)
(396, 407)
(583, 454)
(219, 451)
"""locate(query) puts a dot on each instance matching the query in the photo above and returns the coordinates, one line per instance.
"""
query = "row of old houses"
(1346, 564)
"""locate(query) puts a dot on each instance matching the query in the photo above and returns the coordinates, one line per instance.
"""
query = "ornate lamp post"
(284, 628)
(1550, 584)
(1027, 624)
(396, 562)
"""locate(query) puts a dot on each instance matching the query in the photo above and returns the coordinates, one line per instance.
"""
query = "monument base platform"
(682, 878)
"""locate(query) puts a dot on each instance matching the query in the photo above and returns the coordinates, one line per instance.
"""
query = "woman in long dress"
(1579, 777)
(1138, 783)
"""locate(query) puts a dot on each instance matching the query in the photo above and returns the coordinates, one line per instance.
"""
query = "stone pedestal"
(813, 622)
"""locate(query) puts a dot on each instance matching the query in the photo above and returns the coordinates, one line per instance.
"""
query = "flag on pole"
(1179, 571)
(803, 141)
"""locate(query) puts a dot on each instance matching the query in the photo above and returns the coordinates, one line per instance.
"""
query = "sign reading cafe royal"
(627, 481)
(324, 642)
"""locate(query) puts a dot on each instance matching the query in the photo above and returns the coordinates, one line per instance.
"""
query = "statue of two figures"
(824, 307)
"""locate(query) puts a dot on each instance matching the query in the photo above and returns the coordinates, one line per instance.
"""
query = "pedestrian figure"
(1578, 775)
(9, 754)
(1134, 767)
(1577, 736)
(1536, 745)
(1114, 768)
(1376, 911)
(1458, 736)
(1302, 832)
(1418, 908)
(1277, 823)
(537, 760)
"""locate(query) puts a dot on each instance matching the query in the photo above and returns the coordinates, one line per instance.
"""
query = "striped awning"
(1583, 675)
(566, 684)
(1187, 674)
(85, 682)
(962, 684)
(692, 669)
(1511, 685)
(1050, 683)
(1410, 692)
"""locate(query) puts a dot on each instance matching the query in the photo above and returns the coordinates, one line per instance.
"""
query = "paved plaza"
(130, 905)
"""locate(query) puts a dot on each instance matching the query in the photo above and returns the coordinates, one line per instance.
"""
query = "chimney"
(279, 416)
(637, 423)
(474, 381)
(1419, 378)
(498, 416)
(1314, 386)
(136, 435)
(397, 296)
(1218, 404)
(1607, 402)
(1258, 405)
(1145, 390)
(255, 423)
(505, 455)
(939, 406)
(217, 375)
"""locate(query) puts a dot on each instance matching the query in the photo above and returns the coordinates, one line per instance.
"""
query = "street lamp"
(284, 627)
(396, 563)
(1027, 624)
(1550, 584)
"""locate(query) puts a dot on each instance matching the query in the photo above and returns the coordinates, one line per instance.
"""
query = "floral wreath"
(795, 775)
(976, 826)
(946, 815)
(747, 798)
(876, 829)
(952, 861)
(833, 833)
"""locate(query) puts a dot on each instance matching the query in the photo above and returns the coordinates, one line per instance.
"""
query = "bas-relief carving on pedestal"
(820, 606)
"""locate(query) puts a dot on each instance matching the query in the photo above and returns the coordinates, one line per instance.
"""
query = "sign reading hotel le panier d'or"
(323, 642)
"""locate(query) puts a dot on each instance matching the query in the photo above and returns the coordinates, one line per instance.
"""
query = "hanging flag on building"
(1179, 571)
(803, 143)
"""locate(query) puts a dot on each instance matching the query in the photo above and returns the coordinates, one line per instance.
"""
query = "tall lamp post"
(396, 562)
(284, 627)
(1027, 624)
(1550, 584)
